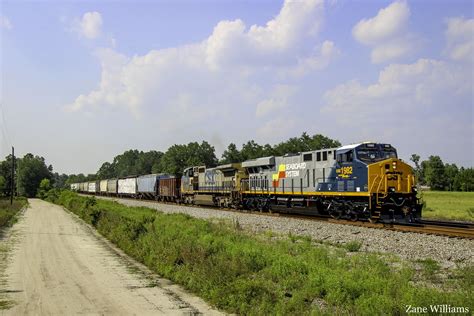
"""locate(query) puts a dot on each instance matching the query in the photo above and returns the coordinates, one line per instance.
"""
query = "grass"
(448, 205)
(8, 212)
(353, 246)
(258, 274)
(7, 218)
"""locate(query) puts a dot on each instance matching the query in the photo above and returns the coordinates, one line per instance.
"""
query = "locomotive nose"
(391, 175)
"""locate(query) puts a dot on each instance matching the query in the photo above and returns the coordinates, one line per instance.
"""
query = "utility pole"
(13, 174)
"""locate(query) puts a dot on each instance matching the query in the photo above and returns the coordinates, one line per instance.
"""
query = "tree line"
(443, 176)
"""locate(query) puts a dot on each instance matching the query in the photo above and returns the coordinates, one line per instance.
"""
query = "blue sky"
(83, 81)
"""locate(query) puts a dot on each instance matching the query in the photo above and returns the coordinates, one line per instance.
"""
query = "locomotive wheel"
(336, 214)
(354, 217)
(373, 220)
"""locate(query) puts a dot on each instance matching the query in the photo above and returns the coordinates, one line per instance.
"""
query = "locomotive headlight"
(394, 164)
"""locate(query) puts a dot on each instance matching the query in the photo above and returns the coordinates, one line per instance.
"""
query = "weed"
(430, 268)
(8, 211)
(353, 246)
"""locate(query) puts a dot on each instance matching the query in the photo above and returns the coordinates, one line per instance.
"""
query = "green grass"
(353, 246)
(8, 212)
(252, 274)
(448, 205)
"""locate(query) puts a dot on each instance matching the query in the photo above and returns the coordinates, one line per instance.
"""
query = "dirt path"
(60, 266)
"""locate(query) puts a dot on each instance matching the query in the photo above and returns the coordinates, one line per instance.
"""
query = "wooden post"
(12, 181)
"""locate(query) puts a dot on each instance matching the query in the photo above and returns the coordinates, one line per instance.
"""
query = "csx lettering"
(394, 177)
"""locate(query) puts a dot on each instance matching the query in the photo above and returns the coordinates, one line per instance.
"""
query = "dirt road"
(59, 266)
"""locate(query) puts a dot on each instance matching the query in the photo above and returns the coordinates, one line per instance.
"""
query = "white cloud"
(460, 38)
(426, 104)
(273, 44)
(90, 25)
(234, 69)
(386, 33)
(5, 23)
(387, 23)
(278, 100)
(276, 128)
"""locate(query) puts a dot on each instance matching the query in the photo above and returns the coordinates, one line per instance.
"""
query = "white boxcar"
(127, 186)
(103, 186)
(91, 187)
(74, 186)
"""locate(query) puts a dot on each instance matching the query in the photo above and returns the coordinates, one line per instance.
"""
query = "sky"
(83, 81)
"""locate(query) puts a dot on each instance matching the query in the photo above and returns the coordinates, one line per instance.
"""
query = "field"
(448, 205)
(245, 273)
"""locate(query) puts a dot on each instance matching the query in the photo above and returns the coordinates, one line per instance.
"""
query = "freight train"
(365, 181)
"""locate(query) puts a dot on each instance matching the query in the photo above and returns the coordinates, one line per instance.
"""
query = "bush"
(353, 246)
(8, 211)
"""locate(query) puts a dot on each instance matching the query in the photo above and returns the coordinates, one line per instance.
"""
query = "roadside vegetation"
(448, 205)
(8, 212)
(7, 218)
(247, 273)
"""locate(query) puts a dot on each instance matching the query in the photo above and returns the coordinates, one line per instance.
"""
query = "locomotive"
(365, 181)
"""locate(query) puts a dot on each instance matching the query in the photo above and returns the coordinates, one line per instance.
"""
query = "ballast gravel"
(412, 246)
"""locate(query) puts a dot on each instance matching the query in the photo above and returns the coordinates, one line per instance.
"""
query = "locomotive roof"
(352, 146)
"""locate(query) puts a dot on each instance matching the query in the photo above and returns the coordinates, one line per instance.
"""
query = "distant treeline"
(443, 177)
(31, 170)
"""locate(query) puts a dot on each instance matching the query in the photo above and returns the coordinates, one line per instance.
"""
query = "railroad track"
(432, 227)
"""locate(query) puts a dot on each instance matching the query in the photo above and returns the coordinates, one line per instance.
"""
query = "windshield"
(389, 153)
(368, 154)
(375, 152)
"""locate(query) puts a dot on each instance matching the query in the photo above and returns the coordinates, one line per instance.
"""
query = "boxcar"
(168, 189)
(103, 187)
(111, 186)
(91, 187)
(127, 187)
(147, 185)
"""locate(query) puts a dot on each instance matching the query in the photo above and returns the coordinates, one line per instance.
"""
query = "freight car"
(359, 181)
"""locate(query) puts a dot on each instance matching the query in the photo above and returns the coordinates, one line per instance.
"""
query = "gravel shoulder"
(449, 252)
(60, 266)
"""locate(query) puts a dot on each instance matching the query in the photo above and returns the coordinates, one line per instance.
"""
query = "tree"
(435, 173)
(231, 155)
(6, 173)
(2, 185)
(106, 171)
(418, 170)
(59, 180)
(464, 180)
(451, 171)
(44, 187)
(252, 150)
(31, 170)
(179, 157)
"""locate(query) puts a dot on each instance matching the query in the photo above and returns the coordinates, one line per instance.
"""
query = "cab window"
(368, 154)
(345, 157)
(389, 153)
